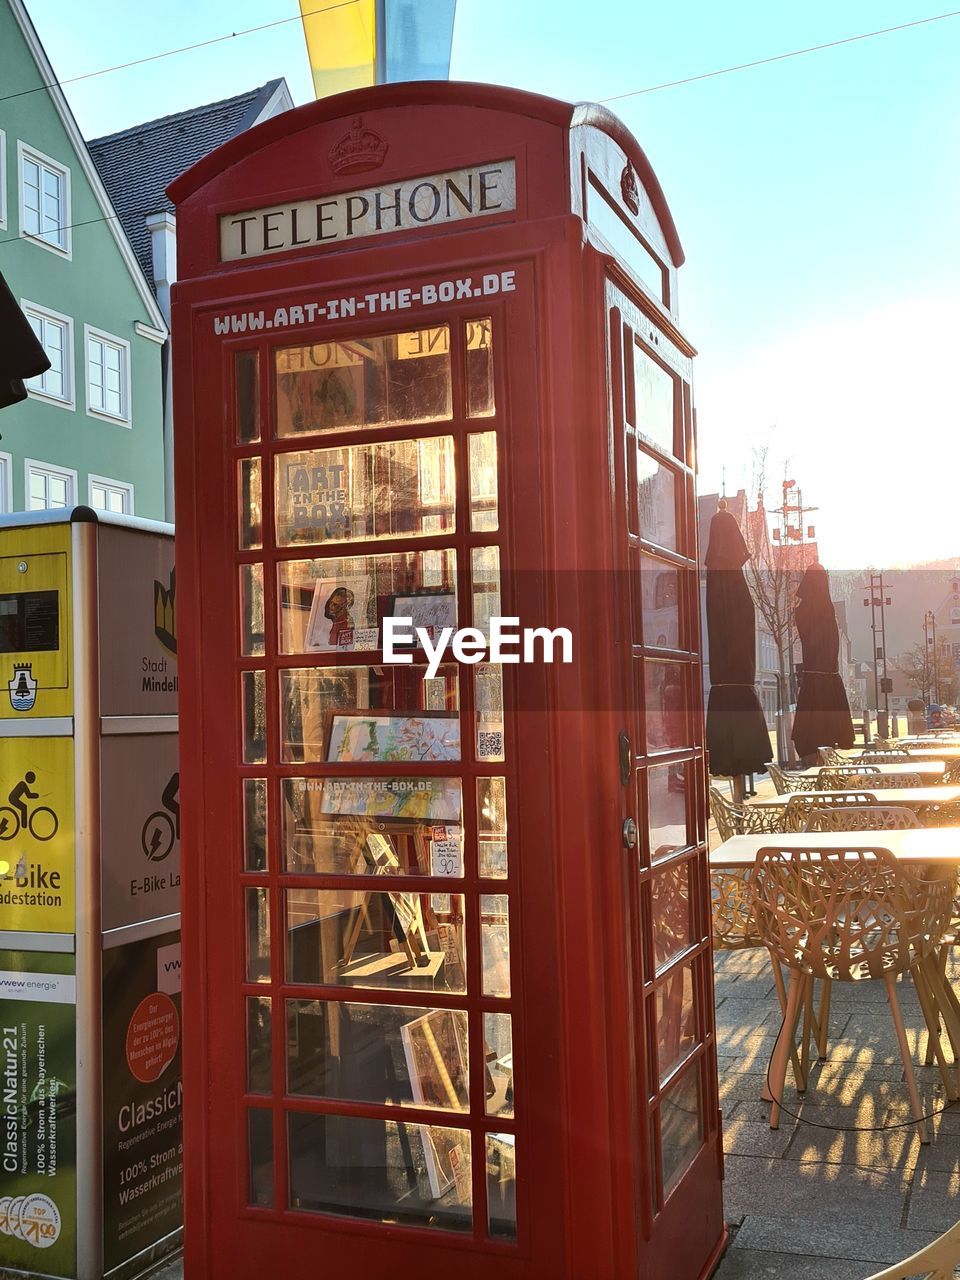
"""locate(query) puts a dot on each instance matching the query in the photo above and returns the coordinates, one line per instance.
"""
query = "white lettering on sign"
(309, 311)
(373, 211)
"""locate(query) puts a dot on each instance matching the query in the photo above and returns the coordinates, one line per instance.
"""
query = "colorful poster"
(142, 1096)
(36, 835)
(38, 1189)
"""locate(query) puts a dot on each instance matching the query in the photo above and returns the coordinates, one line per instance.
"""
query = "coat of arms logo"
(23, 687)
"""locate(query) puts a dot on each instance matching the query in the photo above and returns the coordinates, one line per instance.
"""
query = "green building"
(91, 431)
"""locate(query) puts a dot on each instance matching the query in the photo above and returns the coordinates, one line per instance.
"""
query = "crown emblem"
(628, 188)
(165, 613)
(358, 150)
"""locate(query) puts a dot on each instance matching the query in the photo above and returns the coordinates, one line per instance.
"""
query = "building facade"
(91, 429)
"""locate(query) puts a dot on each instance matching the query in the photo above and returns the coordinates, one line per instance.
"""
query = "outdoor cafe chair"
(830, 755)
(785, 782)
(841, 779)
(878, 757)
(938, 1260)
(800, 806)
(863, 817)
(848, 916)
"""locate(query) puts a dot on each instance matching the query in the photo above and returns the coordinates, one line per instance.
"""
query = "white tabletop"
(921, 844)
(926, 768)
(884, 795)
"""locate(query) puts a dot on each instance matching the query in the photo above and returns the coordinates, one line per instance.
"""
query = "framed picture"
(435, 1050)
(424, 799)
(430, 610)
(338, 612)
(383, 736)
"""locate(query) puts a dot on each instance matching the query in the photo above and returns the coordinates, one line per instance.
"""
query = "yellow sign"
(35, 622)
(36, 835)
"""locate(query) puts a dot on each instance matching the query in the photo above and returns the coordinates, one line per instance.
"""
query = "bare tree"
(917, 666)
(773, 583)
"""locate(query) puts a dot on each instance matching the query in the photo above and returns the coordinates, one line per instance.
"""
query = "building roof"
(142, 280)
(138, 164)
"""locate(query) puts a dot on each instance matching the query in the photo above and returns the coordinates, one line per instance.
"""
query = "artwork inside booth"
(391, 489)
(381, 738)
(338, 615)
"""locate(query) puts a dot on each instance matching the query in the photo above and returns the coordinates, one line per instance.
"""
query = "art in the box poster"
(384, 737)
(338, 611)
(437, 799)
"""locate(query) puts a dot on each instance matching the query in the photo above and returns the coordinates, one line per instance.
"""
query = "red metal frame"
(589, 1199)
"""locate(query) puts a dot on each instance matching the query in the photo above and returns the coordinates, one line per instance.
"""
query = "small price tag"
(446, 858)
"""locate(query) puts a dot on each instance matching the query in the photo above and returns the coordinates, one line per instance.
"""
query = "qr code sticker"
(489, 744)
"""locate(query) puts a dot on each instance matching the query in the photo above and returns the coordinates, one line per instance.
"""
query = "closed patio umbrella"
(21, 355)
(737, 737)
(823, 713)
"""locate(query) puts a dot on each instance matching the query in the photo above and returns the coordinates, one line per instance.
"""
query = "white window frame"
(69, 400)
(3, 181)
(6, 483)
(124, 418)
(38, 157)
(51, 469)
(107, 483)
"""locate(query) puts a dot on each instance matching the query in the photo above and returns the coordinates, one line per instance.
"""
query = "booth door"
(362, 822)
(666, 873)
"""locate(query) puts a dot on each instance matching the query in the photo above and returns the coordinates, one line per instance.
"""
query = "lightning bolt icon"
(155, 841)
(4, 823)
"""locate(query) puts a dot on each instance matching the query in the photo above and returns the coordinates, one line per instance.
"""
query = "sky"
(816, 199)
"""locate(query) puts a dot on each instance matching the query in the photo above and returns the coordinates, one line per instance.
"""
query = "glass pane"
(384, 1170)
(337, 604)
(484, 516)
(488, 699)
(58, 491)
(385, 1054)
(492, 827)
(480, 368)
(251, 610)
(53, 382)
(676, 1024)
(391, 940)
(498, 1058)
(657, 502)
(680, 1128)
(260, 1168)
(251, 504)
(255, 824)
(667, 807)
(365, 382)
(98, 497)
(258, 935)
(655, 391)
(254, 686)
(117, 501)
(372, 826)
(502, 1185)
(369, 714)
(659, 603)
(670, 901)
(259, 1067)
(38, 491)
(666, 705)
(247, 375)
(485, 570)
(495, 944)
(398, 489)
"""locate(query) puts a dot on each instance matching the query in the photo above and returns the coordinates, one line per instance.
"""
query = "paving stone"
(824, 1192)
(896, 1149)
(749, 1264)
(943, 1153)
(747, 1137)
(933, 1200)
(813, 1238)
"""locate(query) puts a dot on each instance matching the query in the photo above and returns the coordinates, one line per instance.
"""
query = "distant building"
(947, 615)
(91, 429)
(136, 167)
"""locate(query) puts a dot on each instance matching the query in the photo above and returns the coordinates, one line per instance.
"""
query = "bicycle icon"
(42, 823)
(162, 829)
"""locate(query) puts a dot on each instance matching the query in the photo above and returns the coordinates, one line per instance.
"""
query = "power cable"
(185, 48)
(779, 57)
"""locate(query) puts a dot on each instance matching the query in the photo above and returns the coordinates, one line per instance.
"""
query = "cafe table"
(920, 799)
(918, 845)
(935, 751)
(930, 770)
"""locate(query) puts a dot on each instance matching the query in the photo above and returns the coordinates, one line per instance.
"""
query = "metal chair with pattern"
(849, 916)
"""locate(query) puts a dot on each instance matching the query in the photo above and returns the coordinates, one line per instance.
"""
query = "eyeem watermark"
(506, 643)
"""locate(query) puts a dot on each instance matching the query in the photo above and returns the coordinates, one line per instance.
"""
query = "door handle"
(629, 834)
(626, 757)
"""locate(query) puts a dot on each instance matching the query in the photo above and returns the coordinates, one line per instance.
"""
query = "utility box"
(89, 895)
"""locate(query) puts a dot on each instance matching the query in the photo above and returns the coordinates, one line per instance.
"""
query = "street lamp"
(930, 643)
(877, 602)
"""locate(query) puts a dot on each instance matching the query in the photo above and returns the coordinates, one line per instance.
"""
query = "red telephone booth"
(447, 988)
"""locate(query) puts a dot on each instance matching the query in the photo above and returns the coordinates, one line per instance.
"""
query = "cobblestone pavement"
(806, 1202)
